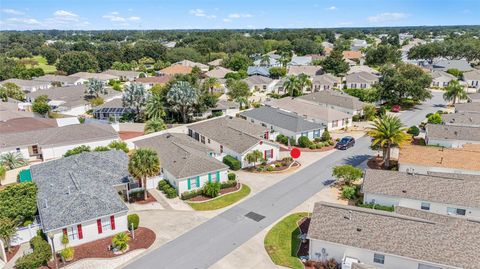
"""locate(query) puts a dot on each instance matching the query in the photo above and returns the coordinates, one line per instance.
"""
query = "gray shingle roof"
(218, 72)
(57, 78)
(258, 70)
(79, 188)
(453, 132)
(257, 80)
(334, 98)
(58, 136)
(474, 96)
(361, 77)
(440, 189)
(454, 243)
(25, 82)
(472, 75)
(234, 133)
(462, 118)
(300, 60)
(444, 65)
(121, 73)
(181, 155)
(310, 70)
(326, 79)
(438, 74)
(99, 76)
(283, 119)
(310, 110)
(468, 107)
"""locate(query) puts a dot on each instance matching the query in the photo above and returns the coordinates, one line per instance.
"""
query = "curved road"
(206, 244)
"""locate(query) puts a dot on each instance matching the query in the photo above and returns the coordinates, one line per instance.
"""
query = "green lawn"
(42, 63)
(282, 242)
(223, 201)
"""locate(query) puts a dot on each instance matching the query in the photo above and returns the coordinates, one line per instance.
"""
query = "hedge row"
(233, 163)
(167, 189)
(41, 254)
(190, 194)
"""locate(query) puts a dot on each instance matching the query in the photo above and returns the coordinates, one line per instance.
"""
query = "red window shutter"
(265, 154)
(271, 153)
(65, 231)
(99, 226)
(112, 222)
(80, 232)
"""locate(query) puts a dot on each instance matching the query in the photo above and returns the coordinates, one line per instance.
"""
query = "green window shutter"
(188, 183)
(198, 181)
(218, 176)
(209, 177)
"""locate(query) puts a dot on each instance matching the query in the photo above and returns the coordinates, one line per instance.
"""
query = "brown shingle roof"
(176, 69)
(25, 124)
(155, 80)
(348, 54)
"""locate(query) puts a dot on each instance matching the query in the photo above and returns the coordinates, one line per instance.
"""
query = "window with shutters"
(213, 177)
(72, 233)
(106, 226)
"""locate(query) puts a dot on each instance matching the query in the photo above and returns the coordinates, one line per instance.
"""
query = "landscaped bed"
(144, 238)
(13, 251)
(203, 197)
(222, 201)
(139, 199)
(277, 166)
(282, 242)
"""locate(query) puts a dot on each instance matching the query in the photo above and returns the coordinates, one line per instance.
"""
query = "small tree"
(348, 192)
(369, 112)
(41, 106)
(182, 98)
(211, 189)
(12, 160)
(95, 87)
(7, 230)
(326, 136)
(254, 157)
(154, 125)
(77, 150)
(133, 220)
(347, 173)
(135, 96)
(304, 142)
(120, 241)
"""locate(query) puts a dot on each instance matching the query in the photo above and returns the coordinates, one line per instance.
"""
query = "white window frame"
(193, 183)
(106, 224)
(425, 206)
(72, 233)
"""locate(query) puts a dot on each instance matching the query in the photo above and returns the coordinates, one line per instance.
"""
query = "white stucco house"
(360, 80)
(78, 196)
(260, 83)
(28, 85)
(446, 194)
(462, 119)
(62, 80)
(472, 78)
(186, 163)
(235, 137)
(441, 79)
(336, 100)
(451, 136)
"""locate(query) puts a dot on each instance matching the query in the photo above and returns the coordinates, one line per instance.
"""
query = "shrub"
(233, 163)
(228, 184)
(347, 172)
(304, 142)
(260, 169)
(101, 148)
(326, 135)
(77, 150)
(67, 253)
(161, 184)
(119, 145)
(211, 189)
(190, 194)
(414, 130)
(434, 119)
(232, 176)
(376, 206)
(133, 219)
(317, 139)
(348, 192)
(282, 139)
(312, 146)
(42, 253)
(120, 241)
(270, 168)
(171, 193)
(356, 118)
(27, 222)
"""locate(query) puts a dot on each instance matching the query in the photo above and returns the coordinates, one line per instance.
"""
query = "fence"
(24, 234)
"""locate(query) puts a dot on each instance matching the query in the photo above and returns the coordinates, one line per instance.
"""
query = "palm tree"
(387, 132)
(265, 60)
(95, 87)
(154, 125)
(154, 109)
(209, 84)
(284, 59)
(144, 163)
(292, 85)
(254, 157)
(182, 98)
(3, 172)
(304, 81)
(242, 100)
(12, 160)
(454, 91)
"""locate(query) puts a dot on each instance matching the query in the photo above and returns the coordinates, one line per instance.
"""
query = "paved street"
(209, 242)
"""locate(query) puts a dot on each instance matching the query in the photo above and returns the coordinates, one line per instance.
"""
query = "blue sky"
(232, 14)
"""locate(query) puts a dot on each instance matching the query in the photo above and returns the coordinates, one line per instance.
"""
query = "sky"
(232, 14)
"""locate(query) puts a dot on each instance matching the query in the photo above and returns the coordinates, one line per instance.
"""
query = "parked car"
(395, 108)
(345, 143)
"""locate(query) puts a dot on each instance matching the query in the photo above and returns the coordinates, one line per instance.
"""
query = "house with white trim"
(28, 85)
(336, 100)
(462, 119)
(451, 136)
(62, 80)
(186, 163)
(360, 80)
(472, 78)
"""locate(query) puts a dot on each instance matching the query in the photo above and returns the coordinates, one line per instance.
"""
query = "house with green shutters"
(187, 164)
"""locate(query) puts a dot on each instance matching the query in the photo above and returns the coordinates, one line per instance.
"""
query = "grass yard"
(42, 63)
(223, 201)
(282, 242)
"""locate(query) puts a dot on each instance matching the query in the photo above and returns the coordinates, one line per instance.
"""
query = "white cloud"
(64, 13)
(133, 18)
(238, 16)
(386, 17)
(12, 11)
(30, 21)
(227, 20)
(201, 13)
(115, 17)
(332, 8)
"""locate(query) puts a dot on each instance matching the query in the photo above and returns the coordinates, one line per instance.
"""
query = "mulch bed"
(253, 169)
(303, 224)
(202, 197)
(144, 238)
(140, 200)
(377, 163)
(128, 135)
(316, 150)
(13, 251)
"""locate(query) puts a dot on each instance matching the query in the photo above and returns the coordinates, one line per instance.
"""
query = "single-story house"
(462, 119)
(71, 100)
(28, 85)
(363, 68)
(123, 75)
(186, 163)
(259, 83)
(441, 79)
(112, 110)
(52, 143)
(441, 64)
(360, 80)
(218, 72)
(26, 124)
(78, 196)
(404, 239)
(438, 193)
(336, 100)
(258, 71)
(272, 62)
(223, 107)
(149, 82)
(325, 82)
(12, 110)
(424, 160)
(472, 78)
(474, 97)
(451, 136)
(279, 121)
(310, 70)
(188, 63)
(300, 60)
(175, 69)
(235, 137)
(315, 112)
(358, 44)
(62, 80)
(103, 77)
(352, 55)
(473, 107)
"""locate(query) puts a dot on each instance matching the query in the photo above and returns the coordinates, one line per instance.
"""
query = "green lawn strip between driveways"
(282, 242)
(222, 201)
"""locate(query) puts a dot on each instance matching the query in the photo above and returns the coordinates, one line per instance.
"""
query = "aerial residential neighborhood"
(226, 134)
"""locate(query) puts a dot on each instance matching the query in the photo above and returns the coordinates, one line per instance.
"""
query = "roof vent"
(359, 229)
(349, 216)
(404, 191)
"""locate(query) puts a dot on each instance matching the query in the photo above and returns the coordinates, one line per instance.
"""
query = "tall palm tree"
(242, 100)
(13, 160)
(265, 60)
(454, 91)
(209, 84)
(154, 125)
(154, 109)
(144, 163)
(387, 132)
(284, 59)
(292, 85)
(304, 81)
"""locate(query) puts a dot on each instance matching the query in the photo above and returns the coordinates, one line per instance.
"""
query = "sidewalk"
(11, 263)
